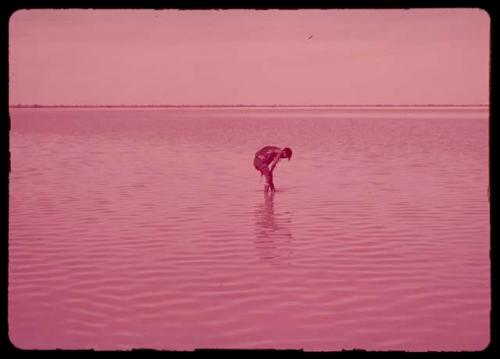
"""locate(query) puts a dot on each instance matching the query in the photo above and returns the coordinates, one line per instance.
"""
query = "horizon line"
(249, 105)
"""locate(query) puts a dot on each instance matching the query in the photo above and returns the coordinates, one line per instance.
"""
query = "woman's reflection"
(272, 233)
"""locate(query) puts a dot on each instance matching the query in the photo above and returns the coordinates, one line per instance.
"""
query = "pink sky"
(98, 57)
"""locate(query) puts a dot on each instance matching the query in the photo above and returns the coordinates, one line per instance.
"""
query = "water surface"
(148, 228)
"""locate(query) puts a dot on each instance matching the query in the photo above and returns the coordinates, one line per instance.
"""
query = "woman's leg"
(269, 179)
(264, 170)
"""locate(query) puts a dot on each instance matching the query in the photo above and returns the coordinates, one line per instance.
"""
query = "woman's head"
(286, 153)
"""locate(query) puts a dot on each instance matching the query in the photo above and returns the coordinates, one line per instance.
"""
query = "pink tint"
(418, 56)
(148, 229)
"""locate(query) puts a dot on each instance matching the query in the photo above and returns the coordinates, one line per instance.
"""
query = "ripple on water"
(376, 246)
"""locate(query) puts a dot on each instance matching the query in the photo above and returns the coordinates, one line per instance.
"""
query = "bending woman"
(269, 156)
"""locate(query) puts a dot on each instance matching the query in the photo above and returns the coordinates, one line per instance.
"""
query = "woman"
(270, 155)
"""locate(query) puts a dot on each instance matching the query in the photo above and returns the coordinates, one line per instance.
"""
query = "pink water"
(148, 228)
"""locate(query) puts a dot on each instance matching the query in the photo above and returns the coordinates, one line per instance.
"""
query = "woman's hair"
(288, 152)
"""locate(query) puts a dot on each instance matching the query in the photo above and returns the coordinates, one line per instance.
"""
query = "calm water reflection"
(273, 235)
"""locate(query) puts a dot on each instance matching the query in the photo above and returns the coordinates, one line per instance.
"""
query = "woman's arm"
(275, 161)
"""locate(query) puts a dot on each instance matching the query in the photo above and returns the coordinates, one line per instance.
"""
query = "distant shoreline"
(254, 106)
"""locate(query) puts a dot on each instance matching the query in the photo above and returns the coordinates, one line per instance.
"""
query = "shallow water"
(148, 228)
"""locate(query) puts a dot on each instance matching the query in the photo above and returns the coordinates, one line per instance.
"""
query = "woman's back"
(267, 154)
